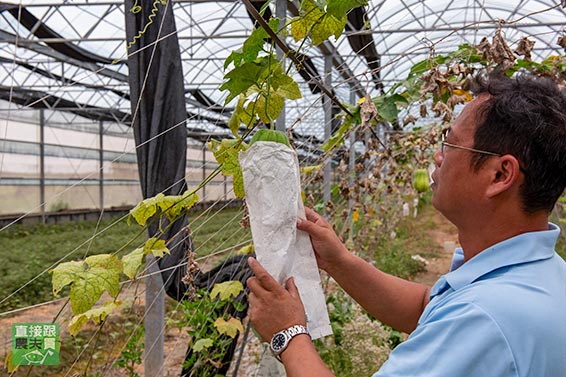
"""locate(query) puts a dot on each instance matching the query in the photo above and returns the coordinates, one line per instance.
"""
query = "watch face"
(278, 342)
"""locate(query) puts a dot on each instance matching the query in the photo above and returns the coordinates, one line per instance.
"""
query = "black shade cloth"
(363, 43)
(158, 118)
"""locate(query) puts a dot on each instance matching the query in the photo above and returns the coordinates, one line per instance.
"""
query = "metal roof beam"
(36, 47)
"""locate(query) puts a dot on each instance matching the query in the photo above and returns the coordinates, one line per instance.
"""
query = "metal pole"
(154, 321)
(281, 13)
(327, 105)
(42, 164)
(204, 171)
(101, 165)
(352, 167)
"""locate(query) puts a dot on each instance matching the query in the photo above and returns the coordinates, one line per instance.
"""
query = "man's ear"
(505, 173)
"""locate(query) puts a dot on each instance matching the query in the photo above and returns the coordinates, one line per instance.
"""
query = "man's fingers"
(312, 215)
(292, 288)
(262, 277)
(254, 286)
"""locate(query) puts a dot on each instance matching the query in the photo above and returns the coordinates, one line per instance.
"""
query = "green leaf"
(310, 15)
(299, 28)
(254, 44)
(226, 289)
(235, 57)
(269, 108)
(338, 137)
(146, 209)
(88, 279)
(241, 78)
(387, 107)
(328, 25)
(340, 8)
(97, 315)
(202, 344)
(156, 247)
(230, 327)
(285, 86)
(174, 205)
(226, 154)
(132, 262)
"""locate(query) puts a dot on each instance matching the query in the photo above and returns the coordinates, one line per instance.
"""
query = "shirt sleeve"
(455, 340)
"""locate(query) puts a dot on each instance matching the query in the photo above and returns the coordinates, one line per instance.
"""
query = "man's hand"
(329, 250)
(272, 307)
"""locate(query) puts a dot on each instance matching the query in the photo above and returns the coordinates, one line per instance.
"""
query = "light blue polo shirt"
(501, 314)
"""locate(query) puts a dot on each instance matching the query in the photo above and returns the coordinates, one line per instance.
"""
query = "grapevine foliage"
(91, 277)
(97, 315)
(88, 280)
(226, 153)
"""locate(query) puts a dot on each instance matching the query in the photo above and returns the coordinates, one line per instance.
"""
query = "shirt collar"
(526, 247)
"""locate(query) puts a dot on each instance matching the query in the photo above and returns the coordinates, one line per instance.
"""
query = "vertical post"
(42, 164)
(327, 105)
(203, 171)
(281, 13)
(101, 165)
(352, 165)
(154, 321)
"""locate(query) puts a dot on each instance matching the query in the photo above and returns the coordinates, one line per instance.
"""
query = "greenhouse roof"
(71, 54)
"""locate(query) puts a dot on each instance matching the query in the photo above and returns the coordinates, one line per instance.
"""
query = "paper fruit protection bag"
(273, 196)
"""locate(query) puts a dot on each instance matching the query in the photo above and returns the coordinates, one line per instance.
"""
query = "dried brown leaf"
(500, 51)
(524, 48)
(484, 48)
(423, 110)
(409, 119)
(456, 99)
(368, 112)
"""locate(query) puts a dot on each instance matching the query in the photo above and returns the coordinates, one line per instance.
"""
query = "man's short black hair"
(525, 116)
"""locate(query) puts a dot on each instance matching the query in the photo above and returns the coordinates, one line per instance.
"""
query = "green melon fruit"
(271, 135)
(420, 180)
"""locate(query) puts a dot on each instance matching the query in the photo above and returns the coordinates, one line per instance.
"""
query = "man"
(501, 310)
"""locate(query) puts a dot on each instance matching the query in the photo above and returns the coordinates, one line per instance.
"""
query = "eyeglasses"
(444, 143)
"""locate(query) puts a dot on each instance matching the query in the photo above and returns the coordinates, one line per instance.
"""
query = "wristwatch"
(280, 340)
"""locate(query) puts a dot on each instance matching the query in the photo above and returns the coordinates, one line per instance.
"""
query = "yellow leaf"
(461, 92)
(310, 169)
(361, 100)
(202, 344)
(132, 262)
(226, 289)
(8, 363)
(248, 249)
(230, 327)
(355, 215)
(97, 315)
(156, 247)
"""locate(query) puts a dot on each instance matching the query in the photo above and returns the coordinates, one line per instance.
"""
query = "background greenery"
(28, 251)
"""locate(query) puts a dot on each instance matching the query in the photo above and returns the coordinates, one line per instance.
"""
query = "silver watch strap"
(296, 330)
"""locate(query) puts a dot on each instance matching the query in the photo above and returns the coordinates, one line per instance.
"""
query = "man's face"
(456, 187)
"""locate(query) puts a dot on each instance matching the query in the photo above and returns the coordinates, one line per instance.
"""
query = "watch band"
(280, 340)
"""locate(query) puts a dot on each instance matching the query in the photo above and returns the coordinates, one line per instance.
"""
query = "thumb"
(292, 288)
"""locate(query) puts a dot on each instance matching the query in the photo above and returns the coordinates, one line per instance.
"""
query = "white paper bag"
(273, 196)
